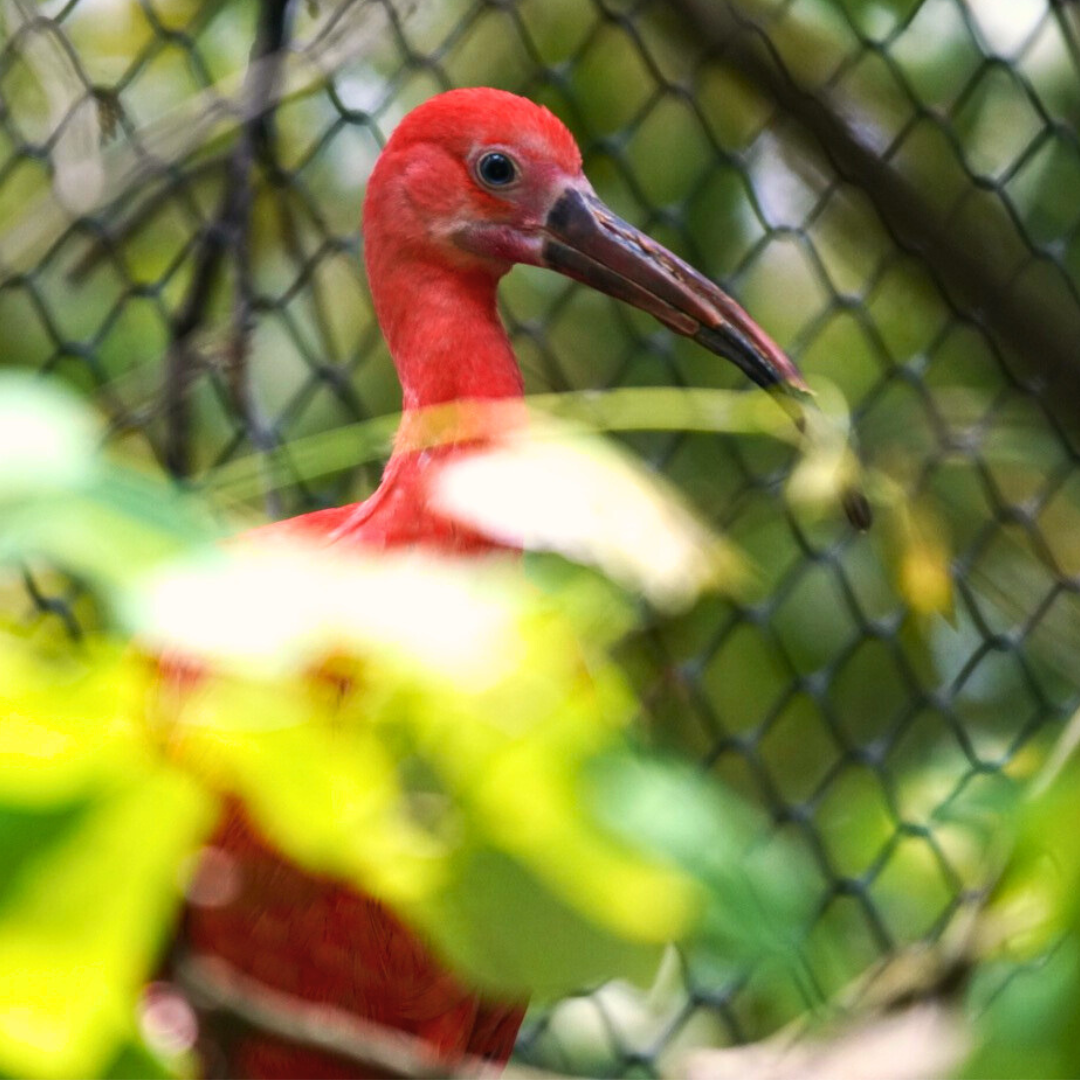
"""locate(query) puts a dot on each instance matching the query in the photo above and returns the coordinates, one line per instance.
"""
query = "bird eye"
(496, 170)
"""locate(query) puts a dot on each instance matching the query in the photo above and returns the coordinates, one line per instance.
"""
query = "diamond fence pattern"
(889, 186)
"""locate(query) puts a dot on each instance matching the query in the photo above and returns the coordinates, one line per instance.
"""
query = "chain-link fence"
(889, 186)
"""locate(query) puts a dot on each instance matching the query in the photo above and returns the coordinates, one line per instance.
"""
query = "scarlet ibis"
(470, 183)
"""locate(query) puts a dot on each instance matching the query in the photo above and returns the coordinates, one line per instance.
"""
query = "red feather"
(295, 932)
(439, 235)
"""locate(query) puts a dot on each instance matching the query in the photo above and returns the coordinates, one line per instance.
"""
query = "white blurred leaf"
(919, 1043)
(47, 438)
(550, 489)
(276, 605)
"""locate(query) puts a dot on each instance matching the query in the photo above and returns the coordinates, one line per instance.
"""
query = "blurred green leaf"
(1037, 897)
(517, 937)
(447, 724)
(82, 923)
(325, 792)
(135, 1061)
(95, 825)
(419, 743)
(1023, 1000)
(64, 501)
(70, 724)
(757, 897)
(1025, 1018)
(25, 832)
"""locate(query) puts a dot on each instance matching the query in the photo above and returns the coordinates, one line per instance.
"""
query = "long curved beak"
(584, 240)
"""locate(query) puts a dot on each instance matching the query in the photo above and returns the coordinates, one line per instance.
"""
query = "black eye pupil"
(496, 169)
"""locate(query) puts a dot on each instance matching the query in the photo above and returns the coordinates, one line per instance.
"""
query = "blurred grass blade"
(627, 409)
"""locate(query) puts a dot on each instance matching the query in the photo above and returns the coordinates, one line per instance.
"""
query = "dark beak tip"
(588, 242)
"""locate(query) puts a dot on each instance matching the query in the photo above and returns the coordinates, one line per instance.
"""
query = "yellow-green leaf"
(81, 927)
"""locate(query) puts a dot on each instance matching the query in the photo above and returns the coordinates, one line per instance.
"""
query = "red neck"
(444, 333)
(448, 345)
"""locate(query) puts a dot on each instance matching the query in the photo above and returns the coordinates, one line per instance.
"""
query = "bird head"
(481, 179)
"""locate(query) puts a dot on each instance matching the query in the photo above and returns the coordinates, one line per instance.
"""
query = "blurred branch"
(920, 1042)
(214, 985)
(228, 233)
(966, 257)
(253, 134)
(908, 1024)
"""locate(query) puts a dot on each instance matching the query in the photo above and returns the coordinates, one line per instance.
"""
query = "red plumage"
(438, 236)
(319, 940)
(293, 931)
